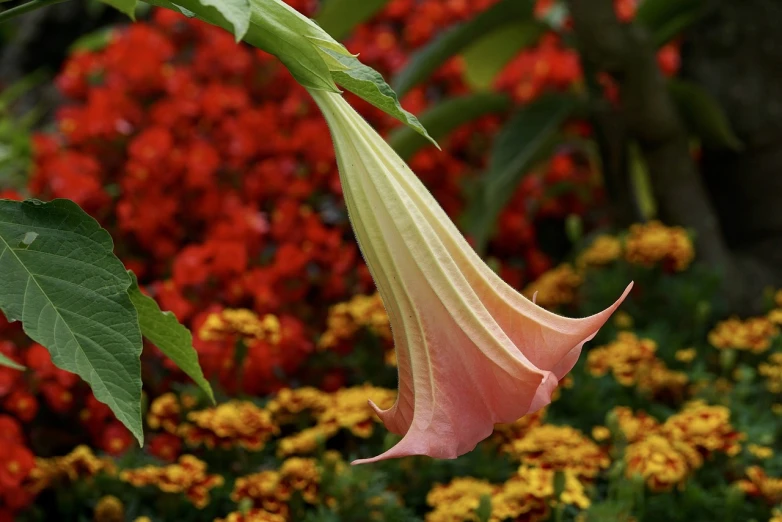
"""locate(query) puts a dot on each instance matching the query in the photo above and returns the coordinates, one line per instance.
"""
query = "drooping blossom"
(471, 350)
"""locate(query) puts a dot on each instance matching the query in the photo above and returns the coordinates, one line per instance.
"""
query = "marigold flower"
(458, 500)
(652, 243)
(187, 476)
(759, 484)
(753, 335)
(761, 452)
(345, 319)
(471, 351)
(555, 288)
(264, 490)
(603, 250)
(254, 515)
(109, 509)
(662, 463)
(772, 371)
(239, 423)
(705, 427)
(79, 464)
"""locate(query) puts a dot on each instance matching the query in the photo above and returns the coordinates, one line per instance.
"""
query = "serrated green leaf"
(454, 40)
(61, 278)
(236, 12)
(9, 363)
(340, 17)
(665, 19)
(445, 117)
(525, 139)
(703, 115)
(126, 6)
(164, 331)
(484, 59)
(369, 85)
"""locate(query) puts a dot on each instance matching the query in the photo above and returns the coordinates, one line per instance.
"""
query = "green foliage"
(339, 17)
(484, 59)
(126, 6)
(703, 115)
(665, 19)
(446, 116)
(369, 85)
(8, 363)
(171, 338)
(235, 12)
(62, 280)
(456, 39)
(15, 145)
(524, 140)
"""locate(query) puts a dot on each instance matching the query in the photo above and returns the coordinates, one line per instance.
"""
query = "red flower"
(16, 462)
(165, 446)
(22, 404)
(116, 439)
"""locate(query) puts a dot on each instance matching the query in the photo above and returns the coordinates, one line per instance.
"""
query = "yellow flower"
(772, 371)
(345, 319)
(601, 433)
(661, 463)
(623, 320)
(759, 484)
(560, 448)
(634, 426)
(254, 515)
(234, 423)
(458, 500)
(187, 476)
(761, 452)
(603, 250)
(164, 413)
(79, 464)
(752, 335)
(243, 322)
(555, 288)
(704, 427)
(686, 355)
(109, 509)
(652, 243)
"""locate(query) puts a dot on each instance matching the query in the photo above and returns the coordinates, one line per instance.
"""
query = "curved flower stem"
(26, 8)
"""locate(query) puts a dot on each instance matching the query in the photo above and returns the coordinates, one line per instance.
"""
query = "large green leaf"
(368, 84)
(164, 331)
(484, 59)
(665, 19)
(340, 17)
(62, 280)
(9, 363)
(235, 12)
(126, 6)
(456, 39)
(703, 115)
(524, 140)
(445, 117)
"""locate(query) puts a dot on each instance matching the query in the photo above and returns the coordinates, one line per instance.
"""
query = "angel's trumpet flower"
(471, 351)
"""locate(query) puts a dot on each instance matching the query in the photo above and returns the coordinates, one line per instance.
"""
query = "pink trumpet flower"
(471, 351)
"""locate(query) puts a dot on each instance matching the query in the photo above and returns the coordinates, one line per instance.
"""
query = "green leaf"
(369, 85)
(126, 6)
(445, 117)
(340, 17)
(235, 12)
(168, 5)
(703, 115)
(164, 331)
(455, 39)
(524, 140)
(62, 280)
(9, 363)
(484, 59)
(641, 182)
(665, 19)
(94, 41)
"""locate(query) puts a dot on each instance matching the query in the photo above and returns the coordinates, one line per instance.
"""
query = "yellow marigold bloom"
(772, 371)
(661, 463)
(604, 250)
(623, 320)
(254, 515)
(142, 519)
(634, 426)
(109, 509)
(778, 298)
(652, 243)
(457, 500)
(561, 448)
(705, 427)
(505, 434)
(188, 476)
(686, 355)
(164, 413)
(305, 441)
(528, 494)
(345, 319)
(601, 433)
(759, 484)
(761, 452)
(234, 423)
(776, 515)
(288, 403)
(555, 288)
(242, 322)
(775, 316)
(752, 335)
(264, 491)
(302, 475)
(351, 411)
(79, 464)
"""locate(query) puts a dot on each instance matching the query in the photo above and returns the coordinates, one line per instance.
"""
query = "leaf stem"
(25, 8)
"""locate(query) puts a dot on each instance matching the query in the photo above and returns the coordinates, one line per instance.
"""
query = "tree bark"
(627, 53)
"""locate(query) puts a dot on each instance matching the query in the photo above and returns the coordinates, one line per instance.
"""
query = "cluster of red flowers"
(215, 174)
